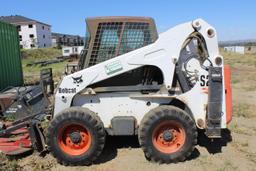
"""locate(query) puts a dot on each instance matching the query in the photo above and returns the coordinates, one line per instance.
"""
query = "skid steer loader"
(132, 81)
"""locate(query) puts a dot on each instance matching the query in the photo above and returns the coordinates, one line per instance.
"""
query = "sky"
(233, 19)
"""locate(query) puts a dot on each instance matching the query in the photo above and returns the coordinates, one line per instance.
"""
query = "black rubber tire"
(92, 123)
(157, 116)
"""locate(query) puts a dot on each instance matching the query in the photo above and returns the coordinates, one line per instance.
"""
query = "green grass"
(31, 73)
(36, 68)
(234, 80)
(40, 54)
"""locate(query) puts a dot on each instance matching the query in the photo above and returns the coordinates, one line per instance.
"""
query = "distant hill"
(249, 42)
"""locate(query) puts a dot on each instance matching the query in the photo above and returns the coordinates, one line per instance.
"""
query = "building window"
(43, 27)
(19, 28)
(44, 45)
(32, 45)
(20, 36)
(21, 46)
(43, 36)
(30, 26)
(31, 36)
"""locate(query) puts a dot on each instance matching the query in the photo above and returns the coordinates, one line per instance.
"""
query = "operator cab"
(108, 37)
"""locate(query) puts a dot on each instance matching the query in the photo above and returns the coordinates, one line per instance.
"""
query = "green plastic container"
(10, 57)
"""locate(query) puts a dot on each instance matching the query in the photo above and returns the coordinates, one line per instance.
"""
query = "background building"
(60, 40)
(32, 33)
(235, 49)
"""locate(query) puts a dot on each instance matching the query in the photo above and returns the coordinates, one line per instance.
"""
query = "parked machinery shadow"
(21, 156)
(214, 146)
(195, 154)
(113, 143)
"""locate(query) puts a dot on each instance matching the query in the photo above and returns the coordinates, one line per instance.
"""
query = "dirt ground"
(235, 151)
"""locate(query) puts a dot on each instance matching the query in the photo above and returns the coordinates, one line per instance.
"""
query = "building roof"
(19, 20)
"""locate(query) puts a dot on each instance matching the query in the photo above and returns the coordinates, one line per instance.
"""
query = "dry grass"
(7, 164)
(243, 110)
(228, 166)
(238, 129)
(245, 149)
(243, 69)
(235, 59)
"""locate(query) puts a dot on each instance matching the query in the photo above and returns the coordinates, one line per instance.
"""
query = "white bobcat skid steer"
(133, 82)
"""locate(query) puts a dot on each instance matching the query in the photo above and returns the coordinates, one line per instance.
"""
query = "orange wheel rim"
(74, 139)
(168, 137)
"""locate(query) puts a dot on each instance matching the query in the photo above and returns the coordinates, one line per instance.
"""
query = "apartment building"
(32, 33)
(61, 40)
